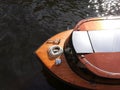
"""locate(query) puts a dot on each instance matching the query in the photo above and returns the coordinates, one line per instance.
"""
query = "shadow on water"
(26, 24)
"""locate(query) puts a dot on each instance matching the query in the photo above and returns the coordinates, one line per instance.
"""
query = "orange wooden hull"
(63, 71)
(99, 23)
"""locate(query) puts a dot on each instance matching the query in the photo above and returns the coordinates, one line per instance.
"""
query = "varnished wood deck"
(63, 71)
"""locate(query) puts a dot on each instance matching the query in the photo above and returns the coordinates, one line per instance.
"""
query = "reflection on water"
(105, 7)
(26, 24)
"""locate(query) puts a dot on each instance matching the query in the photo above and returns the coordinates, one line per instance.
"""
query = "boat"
(86, 56)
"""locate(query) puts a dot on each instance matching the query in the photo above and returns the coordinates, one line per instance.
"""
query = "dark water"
(26, 24)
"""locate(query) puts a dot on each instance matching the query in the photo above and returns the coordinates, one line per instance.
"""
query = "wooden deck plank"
(63, 71)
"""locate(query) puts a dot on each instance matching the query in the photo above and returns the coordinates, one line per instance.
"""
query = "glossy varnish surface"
(103, 64)
(63, 71)
(102, 23)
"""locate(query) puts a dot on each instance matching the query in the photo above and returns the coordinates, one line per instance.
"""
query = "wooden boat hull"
(63, 71)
